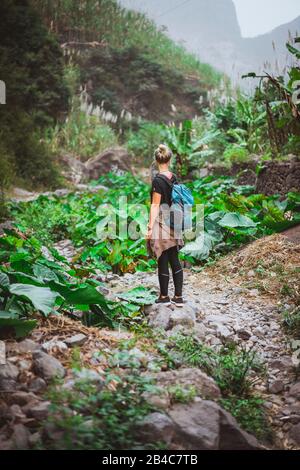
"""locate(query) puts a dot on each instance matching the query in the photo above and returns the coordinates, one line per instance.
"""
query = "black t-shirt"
(162, 187)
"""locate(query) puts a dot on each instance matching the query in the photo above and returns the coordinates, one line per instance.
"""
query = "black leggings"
(170, 256)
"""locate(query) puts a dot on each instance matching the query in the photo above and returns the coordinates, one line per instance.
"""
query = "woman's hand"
(149, 233)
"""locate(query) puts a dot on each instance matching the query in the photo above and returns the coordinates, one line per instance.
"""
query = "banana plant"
(189, 151)
(282, 112)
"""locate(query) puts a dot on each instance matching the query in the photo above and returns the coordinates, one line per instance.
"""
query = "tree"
(31, 65)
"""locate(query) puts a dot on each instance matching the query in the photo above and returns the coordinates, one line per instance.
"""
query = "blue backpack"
(179, 217)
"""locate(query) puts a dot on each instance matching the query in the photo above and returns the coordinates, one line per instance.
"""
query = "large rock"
(159, 317)
(37, 385)
(114, 159)
(73, 169)
(20, 437)
(25, 346)
(76, 340)
(23, 398)
(184, 316)
(54, 345)
(200, 331)
(294, 433)
(197, 425)
(156, 427)
(282, 363)
(8, 377)
(188, 377)
(232, 437)
(222, 331)
(167, 318)
(295, 390)
(39, 411)
(46, 366)
(19, 194)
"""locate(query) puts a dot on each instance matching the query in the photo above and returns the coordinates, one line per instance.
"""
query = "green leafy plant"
(251, 415)
(179, 394)
(282, 113)
(235, 371)
(291, 322)
(231, 367)
(235, 154)
(94, 416)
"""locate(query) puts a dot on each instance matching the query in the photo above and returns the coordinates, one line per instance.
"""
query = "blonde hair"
(163, 154)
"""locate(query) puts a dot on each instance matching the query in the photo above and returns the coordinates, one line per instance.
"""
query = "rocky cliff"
(211, 29)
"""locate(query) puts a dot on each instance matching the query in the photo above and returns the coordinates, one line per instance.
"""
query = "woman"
(162, 243)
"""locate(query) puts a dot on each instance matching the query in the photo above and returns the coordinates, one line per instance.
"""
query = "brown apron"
(162, 239)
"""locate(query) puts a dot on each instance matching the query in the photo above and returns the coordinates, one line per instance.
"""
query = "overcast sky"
(255, 16)
(260, 16)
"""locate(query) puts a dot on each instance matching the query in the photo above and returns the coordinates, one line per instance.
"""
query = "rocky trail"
(228, 302)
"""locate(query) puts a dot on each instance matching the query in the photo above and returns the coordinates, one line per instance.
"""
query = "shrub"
(291, 321)
(235, 154)
(143, 142)
(94, 416)
(34, 165)
(49, 220)
(231, 367)
(293, 145)
(250, 414)
(81, 135)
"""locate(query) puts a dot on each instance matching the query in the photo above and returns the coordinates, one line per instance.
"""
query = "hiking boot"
(178, 301)
(163, 300)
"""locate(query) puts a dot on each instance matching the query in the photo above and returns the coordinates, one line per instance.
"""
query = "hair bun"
(163, 148)
(163, 154)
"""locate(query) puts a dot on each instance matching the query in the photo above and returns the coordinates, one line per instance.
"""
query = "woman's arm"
(154, 211)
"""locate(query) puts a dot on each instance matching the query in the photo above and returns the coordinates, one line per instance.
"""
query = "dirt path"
(226, 313)
(224, 307)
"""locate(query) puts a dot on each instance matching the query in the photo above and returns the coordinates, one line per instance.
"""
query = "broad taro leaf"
(199, 248)
(22, 278)
(139, 296)
(82, 295)
(21, 327)
(4, 281)
(43, 273)
(42, 298)
(21, 262)
(236, 220)
(214, 230)
(282, 205)
(215, 216)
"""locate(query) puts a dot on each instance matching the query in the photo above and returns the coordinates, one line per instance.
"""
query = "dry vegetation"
(271, 265)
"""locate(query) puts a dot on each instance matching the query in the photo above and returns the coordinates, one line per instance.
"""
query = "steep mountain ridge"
(211, 30)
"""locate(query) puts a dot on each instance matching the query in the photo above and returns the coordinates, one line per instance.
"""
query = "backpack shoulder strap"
(166, 179)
